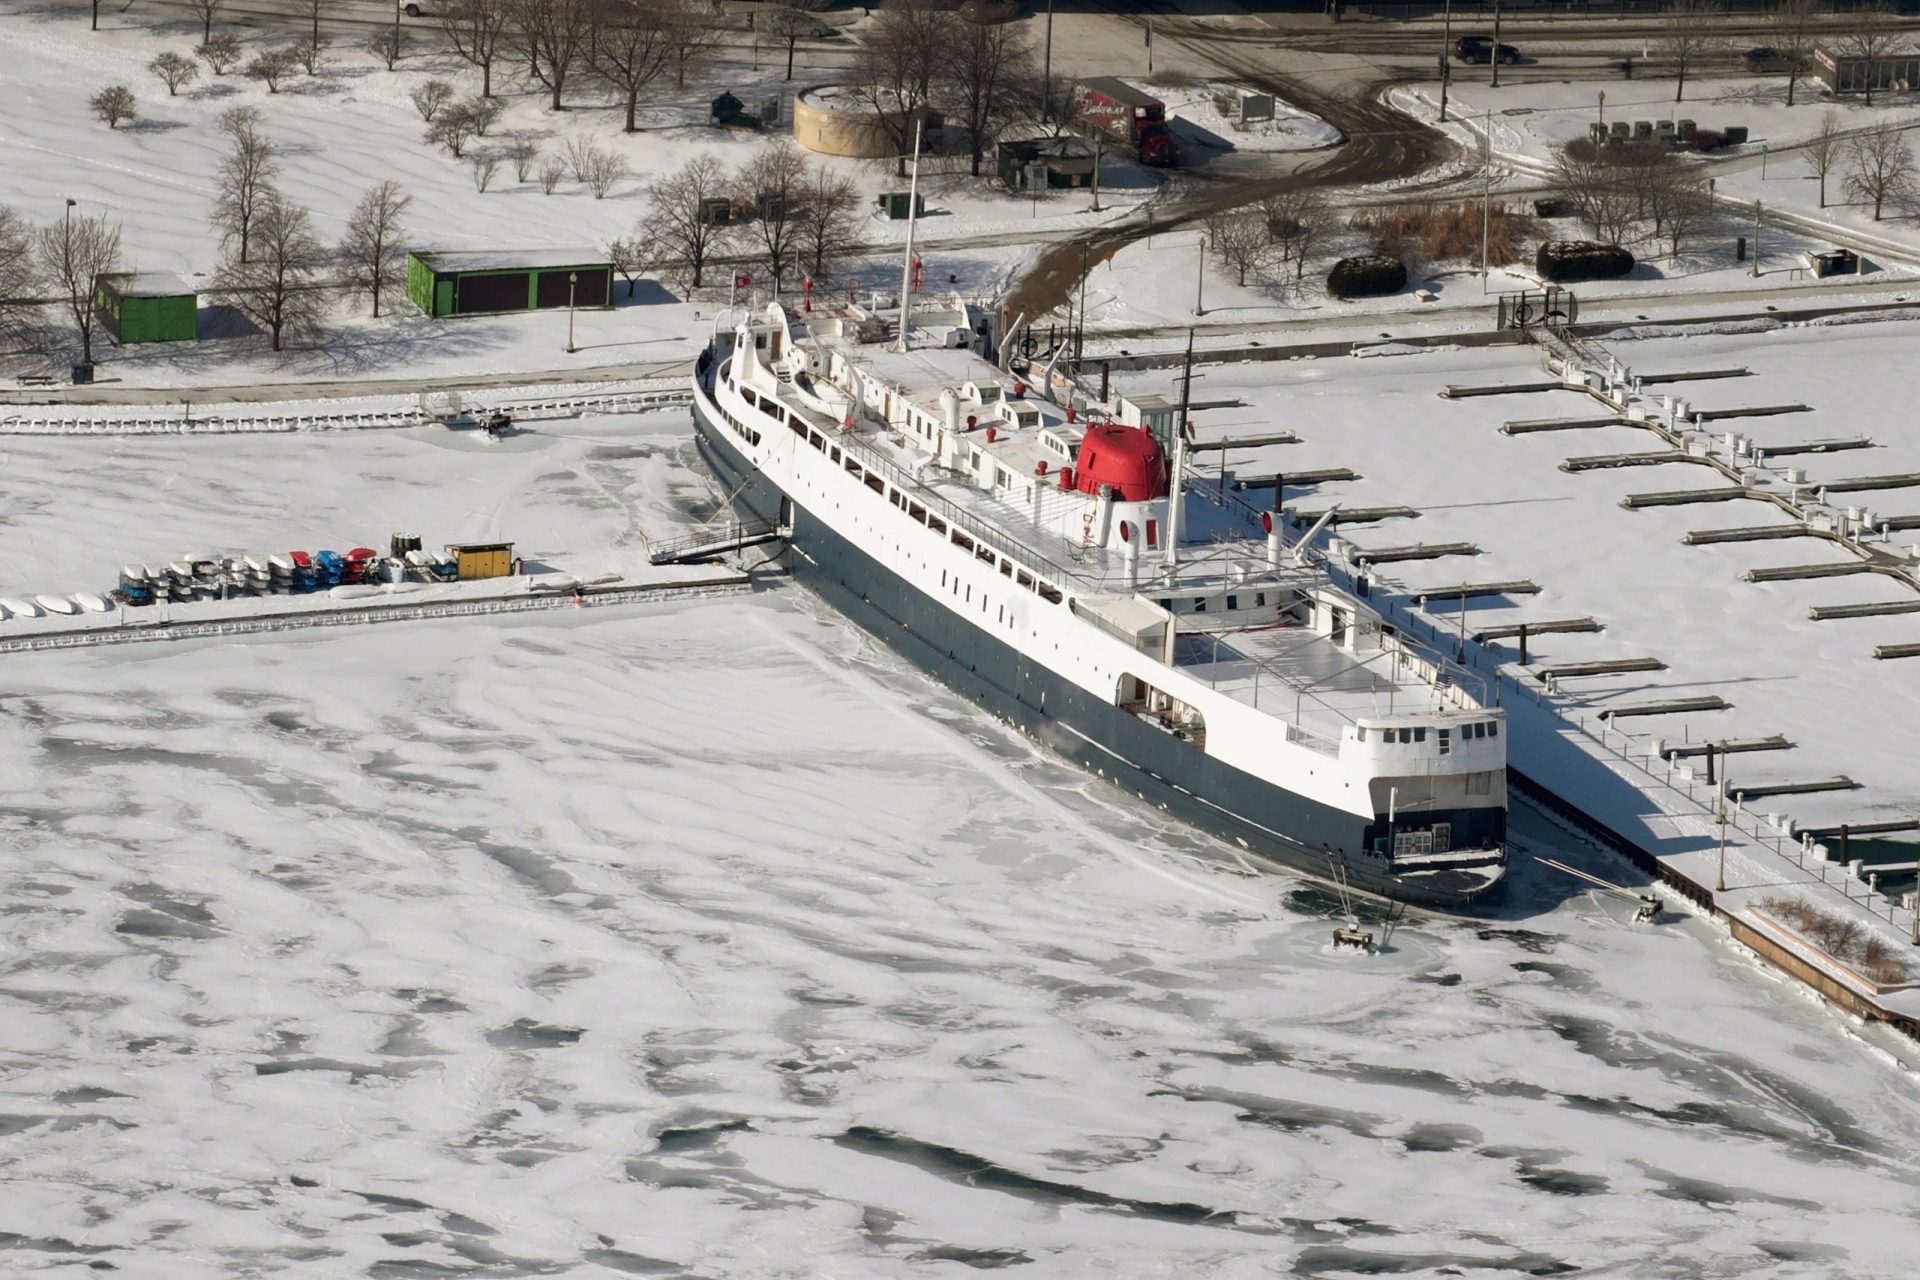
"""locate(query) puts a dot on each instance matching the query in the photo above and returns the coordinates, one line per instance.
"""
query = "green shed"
(147, 306)
(490, 281)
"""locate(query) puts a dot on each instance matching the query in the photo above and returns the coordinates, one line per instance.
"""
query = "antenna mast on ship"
(1175, 492)
(913, 200)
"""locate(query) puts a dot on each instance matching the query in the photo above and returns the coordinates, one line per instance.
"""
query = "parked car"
(415, 10)
(1766, 59)
(1479, 49)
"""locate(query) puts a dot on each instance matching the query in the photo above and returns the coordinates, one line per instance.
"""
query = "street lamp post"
(1446, 63)
(1200, 282)
(573, 279)
(1756, 238)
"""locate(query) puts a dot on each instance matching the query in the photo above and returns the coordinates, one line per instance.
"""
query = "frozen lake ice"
(710, 940)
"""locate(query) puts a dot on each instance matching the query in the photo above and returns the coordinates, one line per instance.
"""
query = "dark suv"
(1479, 49)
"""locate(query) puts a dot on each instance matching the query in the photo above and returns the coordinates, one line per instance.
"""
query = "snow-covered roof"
(510, 259)
(148, 284)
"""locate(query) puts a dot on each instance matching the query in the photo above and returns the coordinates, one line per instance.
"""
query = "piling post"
(1523, 644)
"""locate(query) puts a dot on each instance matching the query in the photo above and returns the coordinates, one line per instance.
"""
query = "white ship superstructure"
(1053, 566)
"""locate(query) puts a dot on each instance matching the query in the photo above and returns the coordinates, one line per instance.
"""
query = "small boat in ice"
(353, 591)
(18, 608)
(57, 604)
(92, 602)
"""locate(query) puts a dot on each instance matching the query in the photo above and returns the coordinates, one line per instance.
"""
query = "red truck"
(1124, 113)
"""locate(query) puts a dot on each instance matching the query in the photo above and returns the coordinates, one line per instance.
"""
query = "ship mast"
(913, 200)
(1175, 491)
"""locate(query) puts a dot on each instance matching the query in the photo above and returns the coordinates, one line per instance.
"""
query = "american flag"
(1446, 679)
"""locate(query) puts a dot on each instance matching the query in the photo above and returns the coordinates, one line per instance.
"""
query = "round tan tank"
(831, 119)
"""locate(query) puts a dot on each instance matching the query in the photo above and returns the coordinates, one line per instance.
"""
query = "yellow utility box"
(482, 559)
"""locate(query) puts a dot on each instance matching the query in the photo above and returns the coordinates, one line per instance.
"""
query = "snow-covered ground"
(1530, 121)
(709, 940)
(1815, 682)
(352, 125)
(1195, 116)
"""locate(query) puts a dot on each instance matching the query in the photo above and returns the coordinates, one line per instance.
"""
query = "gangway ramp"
(711, 543)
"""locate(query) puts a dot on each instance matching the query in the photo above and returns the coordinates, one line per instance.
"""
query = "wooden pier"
(1862, 484)
(1817, 446)
(1693, 375)
(1551, 626)
(1602, 667)
(1296, 479)
(1795, 572)
(1451, 392)
(1528, 426)
(1681, 497)
(1896, 651)
(1607, 461)
(1416, 551)
(1477, 590)
(1359, 515)
(1732, 746)
(1668, 707)
(1242, 442)
(1811, 786)
(1750, 411)
(1872, 609)
(1881, 828)
(1746, 533)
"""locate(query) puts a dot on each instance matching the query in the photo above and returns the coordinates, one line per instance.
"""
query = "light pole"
(1200, 282)
(1496, 44)
(1603, 106)
(573, 279)
(1046, 70)
(396, 28)
(1446, 59)
(1756, 239)
(1720, 882)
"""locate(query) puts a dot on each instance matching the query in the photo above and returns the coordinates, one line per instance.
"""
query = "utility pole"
(1150, 44)
(573, 279)
(1496, 44)
(1720, 882)
(1200, 282)
(1756, 238)
(1486, 198)
(1446, 59)
(1046, 70)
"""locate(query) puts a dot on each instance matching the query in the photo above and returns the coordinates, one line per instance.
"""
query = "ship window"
(1442, 837)
(1259, 599)
(853, 468)
(985, 555)
(1446, 741)
(1050, 594)
(876, 484)
(834, 453)
(1233, 602)
(748, 394)
(962, 541)
(1406, 735)
(793, 420)
(1024, 578)
(1200, 604)
(1419, 735)
(1493, 729)
(1167, 605)
(936, 524)
(1006, 568)
(1153, 533)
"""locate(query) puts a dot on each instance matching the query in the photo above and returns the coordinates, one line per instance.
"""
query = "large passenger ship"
(1055, 566)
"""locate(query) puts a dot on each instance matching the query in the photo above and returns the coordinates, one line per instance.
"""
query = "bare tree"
(771, 182)
(174, 70)
(277, 290)
(905, 54)
(315, 45)
(373, 248)
(629, 257)
(990, 80)
(454, 127)
(1298, 223)
(273, 66)
(580, 149)
(114, 104)
(552, 171)
(551, 36)
(1790, 28)
(1588, 178)
(1882, 168)
(484, 165)
(630, 50)
(243, 185)
(219, 52)
(389, 44)
(604, 168)
(1690, 31)
(1822, 150)
(475, 29)
(791, 22)
(206, 11)
(73, 254)
(680, 221)
(829, 230)
(693, 28)
(1239, 239)
(18, 271)
(524, 152)
(1682, 208)
(429, 97)
(1874, 33)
